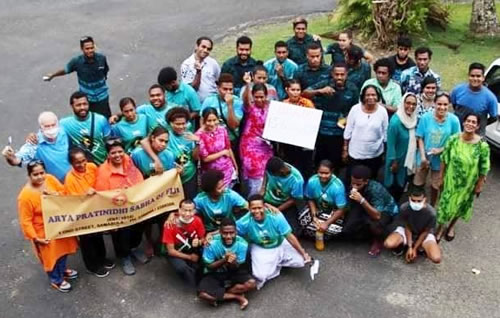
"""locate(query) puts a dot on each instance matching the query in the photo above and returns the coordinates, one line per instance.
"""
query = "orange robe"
(31, 220)
(110, 180)
(77, 183)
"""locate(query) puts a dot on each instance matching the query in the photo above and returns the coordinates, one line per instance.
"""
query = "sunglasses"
(34, 163)
(114, 142)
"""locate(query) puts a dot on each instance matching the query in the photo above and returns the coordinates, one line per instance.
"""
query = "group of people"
(248, 200)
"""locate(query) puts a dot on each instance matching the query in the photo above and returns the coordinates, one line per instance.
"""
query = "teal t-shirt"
(327, 197)
(185, 96)
(182, 149)
(213, 212)
(146, 165)
(281, 189)
(269, 233)
(216, 250)
(79, 132)
(155, 116)
(131, 133)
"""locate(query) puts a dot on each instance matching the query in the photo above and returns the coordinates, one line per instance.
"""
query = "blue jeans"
(57, 274)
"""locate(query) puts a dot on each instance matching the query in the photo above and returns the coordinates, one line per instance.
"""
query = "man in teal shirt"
(314, 71)
(280, 69)
(87, 129)
(241, 63)
(283, 188)
(156, 109)
(359, 70)
(273, 245)
(298, 44)
(391, 91)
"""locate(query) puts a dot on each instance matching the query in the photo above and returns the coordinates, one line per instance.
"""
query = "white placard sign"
(291, 124)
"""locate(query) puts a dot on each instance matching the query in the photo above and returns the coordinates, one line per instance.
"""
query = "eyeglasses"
(35, 162)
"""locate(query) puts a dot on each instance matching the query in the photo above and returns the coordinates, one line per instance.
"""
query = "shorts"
(215, 284)
(401, 231)
(421, 177)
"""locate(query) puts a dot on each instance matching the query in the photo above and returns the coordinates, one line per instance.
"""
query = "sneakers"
(108, 264)
(70, 274)
(140, 256)
(100, 272)
(127, 266)
(63, 287)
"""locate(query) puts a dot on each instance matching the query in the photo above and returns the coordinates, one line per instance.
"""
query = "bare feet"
(243, 302)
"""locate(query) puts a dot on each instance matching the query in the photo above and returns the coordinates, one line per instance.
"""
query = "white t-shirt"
(209, 75)
(366, 132)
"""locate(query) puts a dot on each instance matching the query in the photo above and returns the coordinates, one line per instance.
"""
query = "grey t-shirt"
(418, 221)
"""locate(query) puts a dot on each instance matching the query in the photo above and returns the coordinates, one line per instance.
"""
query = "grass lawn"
(450, 64)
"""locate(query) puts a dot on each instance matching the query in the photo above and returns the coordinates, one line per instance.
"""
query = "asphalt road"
(139, 38)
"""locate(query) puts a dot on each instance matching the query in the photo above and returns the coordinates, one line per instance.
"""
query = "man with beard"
(179, 94)
(280, 69)
(200, 70)
(298, 44)
(241, 63)
(87, 129)
(401, 60)
(475, 97)
(335, 97)
(52, 148)
(92, 71)
(314, 71)
(391, 91)
(156, 109)
(412, 78)
(225, 261)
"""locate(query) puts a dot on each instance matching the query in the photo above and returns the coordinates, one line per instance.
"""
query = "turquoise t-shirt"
(435, 135)
(216, 250)
(131, 133)
(155, 116)
(281, 189)
(269, 233)
(79, 132)
(213, 212)
(146, 165)
(327, 197)
(219, 104)
(185, 96)
(182, 149)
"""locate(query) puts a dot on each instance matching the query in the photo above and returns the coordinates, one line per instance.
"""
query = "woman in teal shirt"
(401, 146)
(185, 147)
(132, 127)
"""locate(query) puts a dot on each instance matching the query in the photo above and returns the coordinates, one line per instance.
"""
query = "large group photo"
(226, 174)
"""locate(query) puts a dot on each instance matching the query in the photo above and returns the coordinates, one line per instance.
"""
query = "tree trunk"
(484, 17)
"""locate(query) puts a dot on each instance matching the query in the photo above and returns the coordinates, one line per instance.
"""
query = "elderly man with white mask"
(52, 148)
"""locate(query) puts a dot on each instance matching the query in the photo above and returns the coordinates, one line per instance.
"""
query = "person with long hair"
(465, 162)
(51, 253)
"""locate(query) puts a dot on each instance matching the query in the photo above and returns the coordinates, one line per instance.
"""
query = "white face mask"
(186, 221)
(416, 206)
(51, 133)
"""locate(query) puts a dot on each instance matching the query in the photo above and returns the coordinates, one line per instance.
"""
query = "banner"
(65, 216)
(291, 124)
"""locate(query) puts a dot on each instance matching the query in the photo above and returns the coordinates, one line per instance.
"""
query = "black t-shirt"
(418, 221)
(399, 68)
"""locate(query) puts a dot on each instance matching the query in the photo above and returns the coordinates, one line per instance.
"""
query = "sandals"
(449, 237)
(63, 287)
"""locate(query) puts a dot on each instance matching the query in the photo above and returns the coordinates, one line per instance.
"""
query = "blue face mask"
(416, 206)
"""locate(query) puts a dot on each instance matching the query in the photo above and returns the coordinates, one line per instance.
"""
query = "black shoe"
(101, 272)
(399, 250)
(109, 264)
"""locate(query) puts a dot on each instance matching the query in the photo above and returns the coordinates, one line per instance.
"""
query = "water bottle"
(320, 240)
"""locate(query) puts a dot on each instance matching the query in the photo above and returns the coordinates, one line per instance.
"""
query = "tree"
(484, 17)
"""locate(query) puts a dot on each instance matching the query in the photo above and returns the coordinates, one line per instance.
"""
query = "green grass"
(450, 64)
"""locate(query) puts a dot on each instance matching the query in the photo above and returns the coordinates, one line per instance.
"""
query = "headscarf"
(410, 122)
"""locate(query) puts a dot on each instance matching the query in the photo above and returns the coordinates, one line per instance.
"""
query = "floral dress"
(254, 150)
(213, 142)
(464, 164)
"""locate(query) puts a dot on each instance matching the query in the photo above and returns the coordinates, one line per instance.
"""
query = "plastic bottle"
(320, 242)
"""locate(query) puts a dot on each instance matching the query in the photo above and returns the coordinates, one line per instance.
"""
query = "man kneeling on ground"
(416, 225)
(226, 276)
(273, 244)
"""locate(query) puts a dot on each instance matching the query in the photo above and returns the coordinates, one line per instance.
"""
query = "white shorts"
(401, 231)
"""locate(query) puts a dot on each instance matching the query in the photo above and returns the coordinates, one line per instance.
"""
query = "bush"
(386, 19)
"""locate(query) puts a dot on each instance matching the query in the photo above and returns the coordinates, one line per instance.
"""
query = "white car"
(493, 82)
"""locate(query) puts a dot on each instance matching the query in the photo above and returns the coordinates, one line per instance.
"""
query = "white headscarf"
(410, 122)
